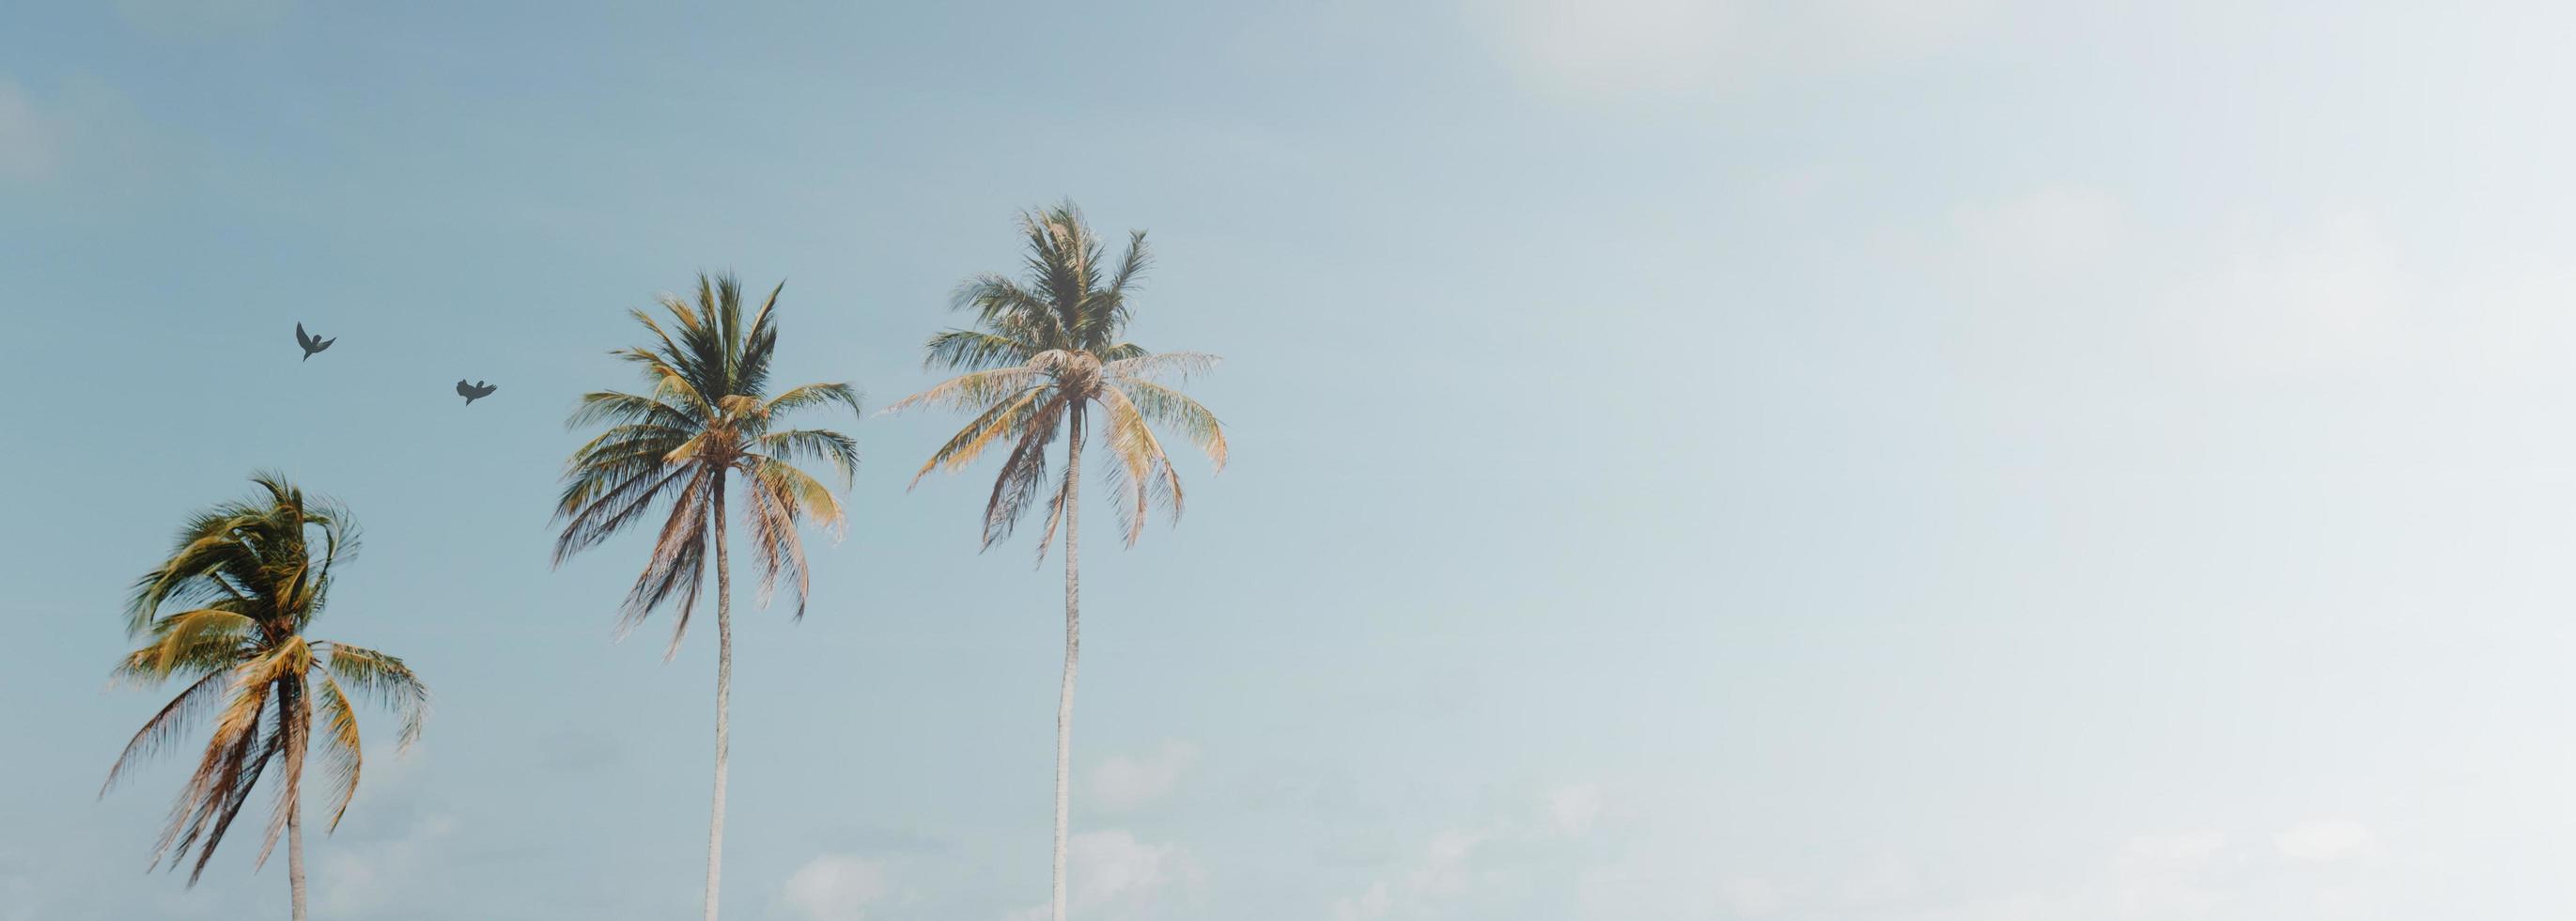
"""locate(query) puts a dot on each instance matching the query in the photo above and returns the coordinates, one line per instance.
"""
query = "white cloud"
(1614, 48)
(835, 887)
(28, 141)
(1619, 46)
(1574, 808)
(1122, 783)
(2324, 841)
(1115, 875)
(2166, 875)
(1452, 871)
(2327, 298)
(1115, 868)
(1751, 896)
(1440, 877)
(202, 19)
(2043, 234)
(359, 878)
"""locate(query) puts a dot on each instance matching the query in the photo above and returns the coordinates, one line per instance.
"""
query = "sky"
(1853, 460)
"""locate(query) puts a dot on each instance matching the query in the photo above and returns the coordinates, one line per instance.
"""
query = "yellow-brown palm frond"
(265, 566)
(1045, 354)
(708, 422)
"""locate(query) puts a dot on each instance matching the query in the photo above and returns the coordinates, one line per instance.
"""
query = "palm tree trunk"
(724, 690)
(295, 858)
(1072, 647)
(299, 730)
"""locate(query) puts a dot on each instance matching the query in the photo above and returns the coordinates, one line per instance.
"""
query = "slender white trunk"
(724, 689)
(295, 807)
(1072, 649)
(295, 858)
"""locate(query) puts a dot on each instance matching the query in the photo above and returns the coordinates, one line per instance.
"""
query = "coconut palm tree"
(1046, 353)
(706, 420)
(246, 579)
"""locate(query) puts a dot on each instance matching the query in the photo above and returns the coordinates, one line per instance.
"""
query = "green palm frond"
(803, 445)
(709, 413)
(1045, 349)
(796, 398)
(383, 679)
(247, 577)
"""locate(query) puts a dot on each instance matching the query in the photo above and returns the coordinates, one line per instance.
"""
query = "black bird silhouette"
(473, 392)
(311, 343)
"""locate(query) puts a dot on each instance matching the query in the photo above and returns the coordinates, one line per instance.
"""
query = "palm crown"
(707, 417)
(1044, 353)
(248, 578)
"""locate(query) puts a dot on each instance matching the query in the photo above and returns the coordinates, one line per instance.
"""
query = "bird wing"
(320, 343)
(462, 390)
(301, 338)
(485, 390)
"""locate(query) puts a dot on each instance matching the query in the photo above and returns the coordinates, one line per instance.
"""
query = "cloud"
(203, 20)
(1441, 876)
(1122, 783)
(1462, 867)
(835, 887)
(80, 140)
(1752, 896)
(28, 140)
(1621, 48)
(1118, 869)
(2200, 874)
(2323, 298)
(2042, 235)
(1575, 807)
(360, 878)
(2324, 841)
(1115, 875)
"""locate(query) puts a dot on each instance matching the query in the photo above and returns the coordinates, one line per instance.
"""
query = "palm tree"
(706, 419)
(248, 578)
(1045, 353)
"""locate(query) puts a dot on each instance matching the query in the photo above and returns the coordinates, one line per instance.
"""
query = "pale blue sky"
(1964, 460)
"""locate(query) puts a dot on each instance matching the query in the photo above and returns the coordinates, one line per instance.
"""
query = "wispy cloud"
(1116, 875)
(1124, 782)
(835, 887)
(203, 20)
(1452, 870)
(1623, 48)
(28, 140)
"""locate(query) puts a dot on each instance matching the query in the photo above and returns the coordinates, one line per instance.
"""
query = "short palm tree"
(1046, 353)
(246, 579)
(706, 420)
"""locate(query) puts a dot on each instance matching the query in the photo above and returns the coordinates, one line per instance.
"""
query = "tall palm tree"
(247, 578)
(706, 419)
(1045, 353)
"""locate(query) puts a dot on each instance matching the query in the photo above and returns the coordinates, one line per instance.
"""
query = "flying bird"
(310, 342)
(474, 391)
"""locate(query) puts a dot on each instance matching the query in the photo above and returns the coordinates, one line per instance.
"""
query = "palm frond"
(199, 637)
(973, 391)
(800, 445)
(974, 350)
(166, 726)
(1023, 472)
(383, 679)
(343, 755)
(796, 398)
(1179, 366)
(1169, 407)
(677, 567)
(1007, 416)
(1142, 476)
